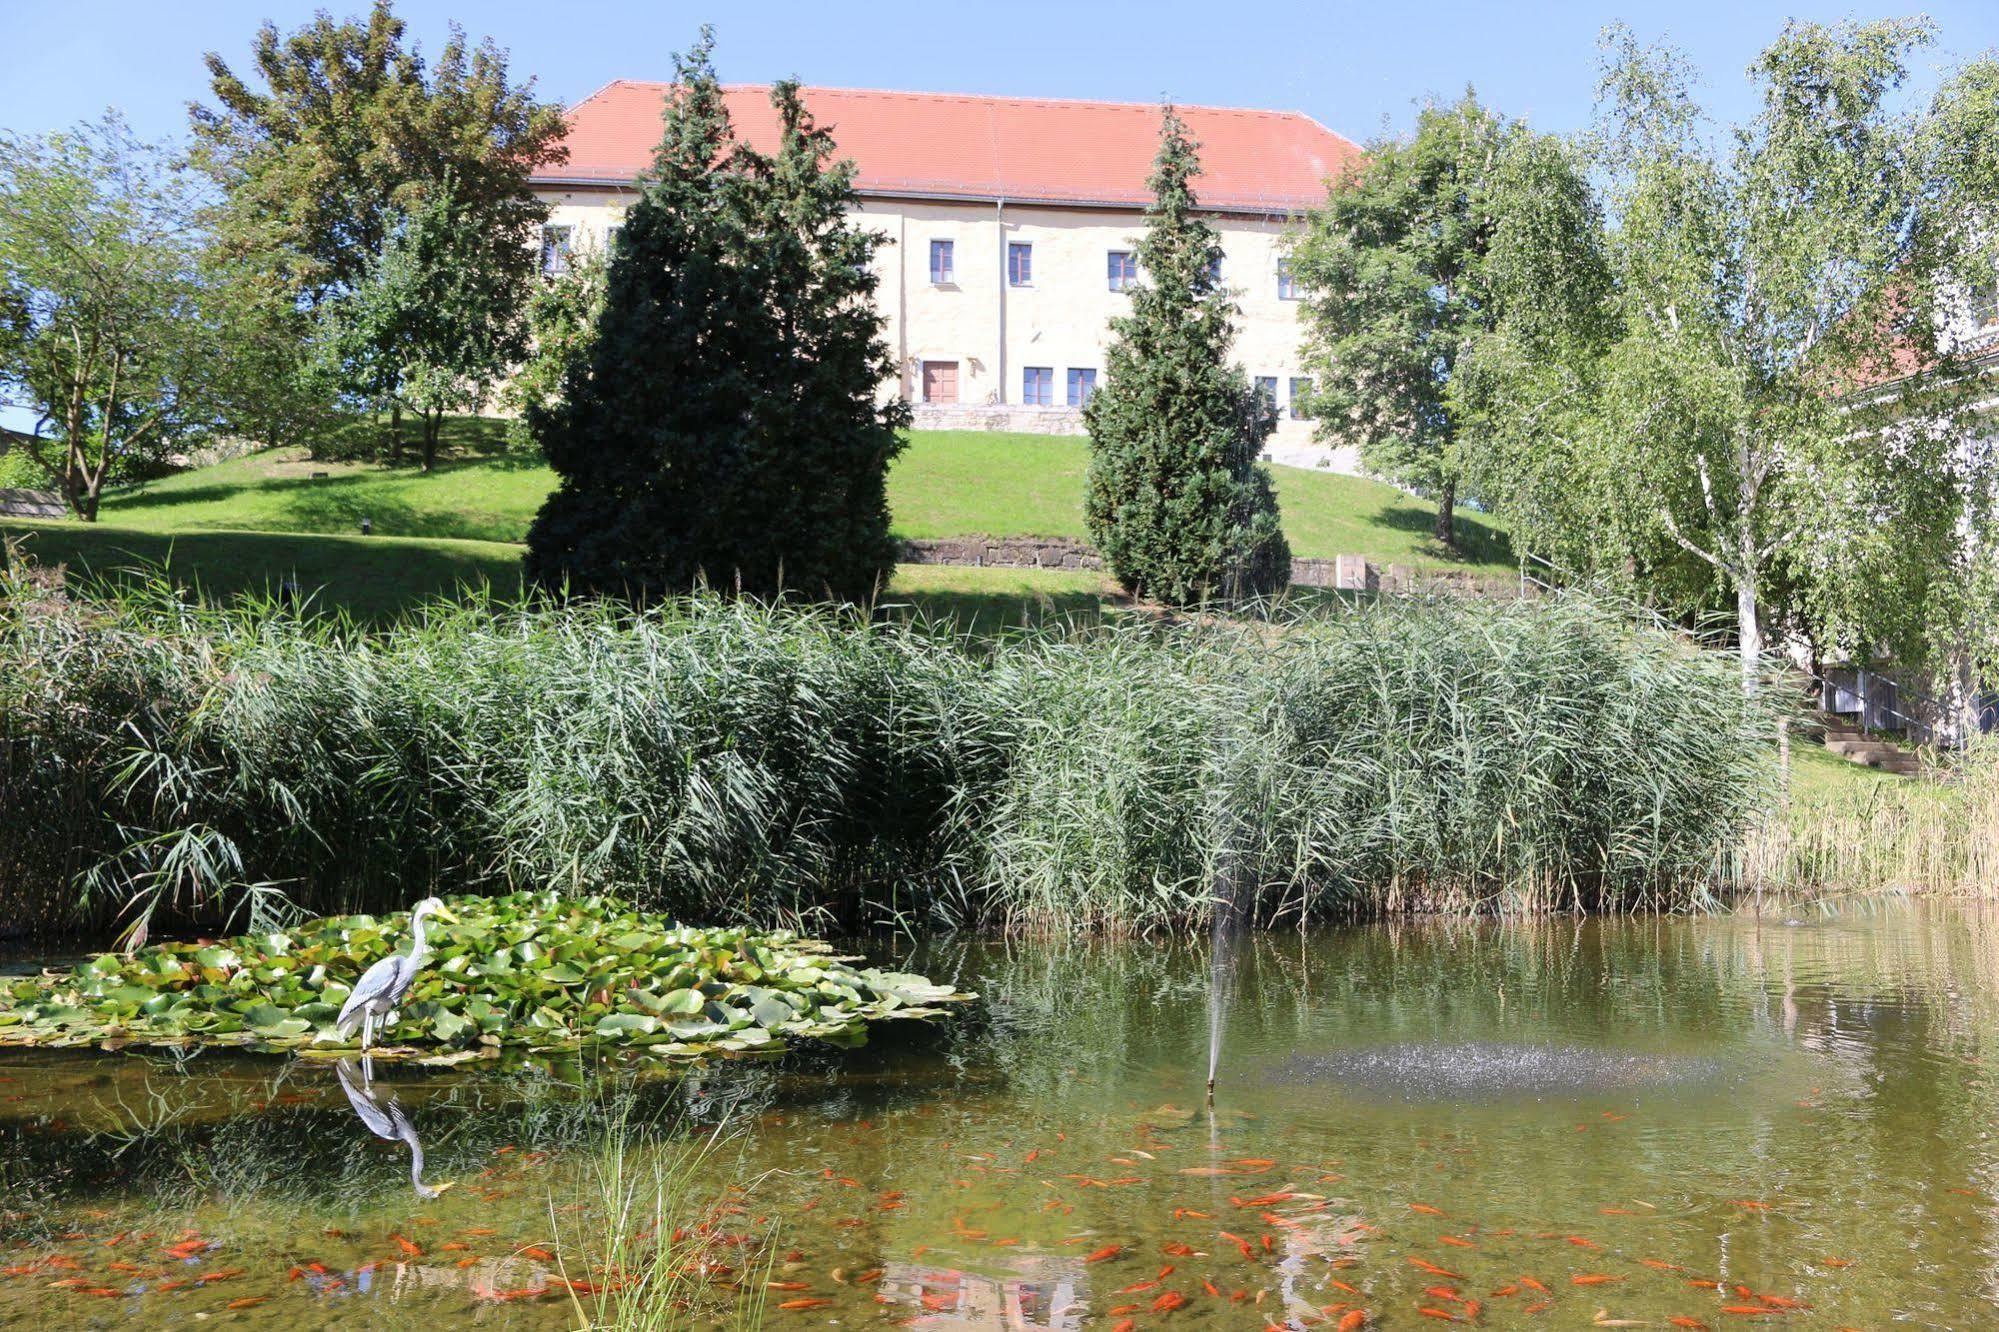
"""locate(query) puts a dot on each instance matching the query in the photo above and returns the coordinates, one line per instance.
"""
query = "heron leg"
(367, 1028)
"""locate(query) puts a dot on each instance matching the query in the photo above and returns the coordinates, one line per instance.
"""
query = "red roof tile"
(1016, 148)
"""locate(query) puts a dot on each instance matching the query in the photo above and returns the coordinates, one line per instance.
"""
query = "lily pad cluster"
(533, 971)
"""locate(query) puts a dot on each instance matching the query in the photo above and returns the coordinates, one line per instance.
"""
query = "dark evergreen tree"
(1177, 502)
(726, 426)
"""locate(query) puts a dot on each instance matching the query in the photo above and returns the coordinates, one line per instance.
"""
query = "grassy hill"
(946, 484)
(258, 522)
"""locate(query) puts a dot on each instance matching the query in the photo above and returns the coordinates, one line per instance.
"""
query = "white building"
(1012, 223)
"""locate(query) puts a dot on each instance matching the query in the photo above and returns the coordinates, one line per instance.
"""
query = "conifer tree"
(725, 427)
(1177, 502)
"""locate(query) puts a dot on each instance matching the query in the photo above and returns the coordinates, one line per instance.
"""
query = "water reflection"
(385, 1120)
(1804, 1111)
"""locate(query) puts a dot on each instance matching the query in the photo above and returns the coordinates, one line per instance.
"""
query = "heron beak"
(445, 914)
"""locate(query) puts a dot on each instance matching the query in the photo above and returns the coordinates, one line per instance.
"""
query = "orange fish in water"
(1126, 1326)
(1209, 1286)
(1239, 1242)
(1782, 1302)
(1426, 1209)
(787, 1285)
(1542, 1307)
(1434, 1270)
(226, 1274)
(1168, 1302)
(1752, 1310)
(1837, 1262)
(1188, 1213)
(247, 1302)
(1341, 1285)
(1580, 1242)
(1455, 1242)
(1681, 1320)
(1532, 1284)
(810, 1302)
(1137, 1286)
(1354, 1320)
(534, 1251)
(1104, 1254)
(1749, 1204)
(409, 1247)
(1593, 1279)
(1658, 1265)
(1428, 1312)
(1267, 1200)
(1177, 1249)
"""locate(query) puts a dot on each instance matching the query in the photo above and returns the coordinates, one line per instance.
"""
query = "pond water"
(1556, 1124)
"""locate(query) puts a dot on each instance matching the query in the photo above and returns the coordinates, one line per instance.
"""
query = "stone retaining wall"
(32, 504)
(1347, 572)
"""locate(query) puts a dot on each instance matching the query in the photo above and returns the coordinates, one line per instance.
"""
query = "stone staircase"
(1855, 745)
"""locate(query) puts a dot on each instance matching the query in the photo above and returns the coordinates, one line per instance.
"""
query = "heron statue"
(383, 985)
(385, 1121)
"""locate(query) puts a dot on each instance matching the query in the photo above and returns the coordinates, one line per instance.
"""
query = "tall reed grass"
(727, 761)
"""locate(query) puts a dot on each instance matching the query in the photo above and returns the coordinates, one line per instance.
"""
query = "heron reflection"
(385, 1120)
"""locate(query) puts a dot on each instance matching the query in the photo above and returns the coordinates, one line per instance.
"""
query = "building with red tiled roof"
(1012, 223)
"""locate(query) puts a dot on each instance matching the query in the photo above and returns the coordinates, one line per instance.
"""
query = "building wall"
(1059, 320)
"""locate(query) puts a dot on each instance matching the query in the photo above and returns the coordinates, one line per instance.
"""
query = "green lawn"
(377, 578)
(947, 483)
(256, 522)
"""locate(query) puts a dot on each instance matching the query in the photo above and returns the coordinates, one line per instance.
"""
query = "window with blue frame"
(1122, 266)
(1082, 383)
(941, 270)
(1215, 271)
(1266, 389)
(1037, 386)
(1019, 264)
(1301, 397)
(1287, 286)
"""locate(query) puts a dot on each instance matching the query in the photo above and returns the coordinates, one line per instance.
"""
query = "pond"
(1724, 1121)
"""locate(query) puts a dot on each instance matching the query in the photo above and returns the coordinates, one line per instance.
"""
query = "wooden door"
(940, 381)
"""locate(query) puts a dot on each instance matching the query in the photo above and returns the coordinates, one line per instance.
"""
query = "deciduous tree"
(1413, 261)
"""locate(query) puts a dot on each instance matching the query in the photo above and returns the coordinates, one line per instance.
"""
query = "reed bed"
(1938, 834)
(731, 762)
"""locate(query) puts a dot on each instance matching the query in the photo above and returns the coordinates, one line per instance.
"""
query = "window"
(1019, 264)
(1037, 386)
(1082, 384)
(941, 271)
(1301, 397)
(1215, 270)
(1985, 307)
(1266, 390)
(555, 250)
(611, 239)
(1287, 286)
(1123, 269)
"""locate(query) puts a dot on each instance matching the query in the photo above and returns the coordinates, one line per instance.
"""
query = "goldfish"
(1352, 1321)
(247, 1302)
(1426, 1209)
(1126, 1326)
(787, 1285)
(1104, 1254)
(1456, 1242)
(534, 1251)
(409, 1247)
(809, 1302)
(1593, 1279)
(1428, 1312)
(1168, 1302)
(1681, 1320)
(1434, 1270)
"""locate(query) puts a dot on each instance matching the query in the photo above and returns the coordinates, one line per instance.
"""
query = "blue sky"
(1349, 65)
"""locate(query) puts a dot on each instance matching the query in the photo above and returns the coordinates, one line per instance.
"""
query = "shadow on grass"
(373, 579)
(1478, 541)
(333, 505)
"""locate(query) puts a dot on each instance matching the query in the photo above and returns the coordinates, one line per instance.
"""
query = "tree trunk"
(1750, 629)
(1447, 529)
(431, 425)
(395, 432)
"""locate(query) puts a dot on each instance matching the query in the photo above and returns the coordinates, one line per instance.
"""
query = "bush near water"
(732, 763)
(525, 970)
